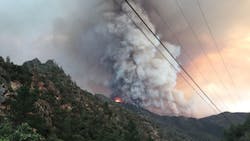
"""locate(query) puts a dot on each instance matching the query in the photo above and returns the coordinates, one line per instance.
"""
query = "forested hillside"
(238, 132)
(211, 128)
(40, 102)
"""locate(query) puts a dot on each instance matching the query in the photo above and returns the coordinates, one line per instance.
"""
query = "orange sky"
(229, 21)
(229, 95)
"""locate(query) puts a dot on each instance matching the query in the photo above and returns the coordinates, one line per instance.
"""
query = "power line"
(215, 43)
(202, 48)
(181, 45)
(171, 55)
(163, 55)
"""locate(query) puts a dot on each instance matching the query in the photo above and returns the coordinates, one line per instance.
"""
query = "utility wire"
(184, 51)
(164, 56)
(171, 55)
(215, 43)
(202, 48)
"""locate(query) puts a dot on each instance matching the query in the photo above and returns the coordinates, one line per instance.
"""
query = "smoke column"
(140, 75)
(116, 55)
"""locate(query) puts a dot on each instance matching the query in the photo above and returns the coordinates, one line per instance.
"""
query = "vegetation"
(239, 132)
(22, 132)
(42, 103)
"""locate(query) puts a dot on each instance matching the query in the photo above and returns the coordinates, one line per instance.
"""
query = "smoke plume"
(117, 57)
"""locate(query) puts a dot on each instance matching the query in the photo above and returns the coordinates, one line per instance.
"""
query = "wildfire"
(118, 100)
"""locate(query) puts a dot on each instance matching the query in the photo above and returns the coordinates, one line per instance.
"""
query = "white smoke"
(111, 52)
(140, 74)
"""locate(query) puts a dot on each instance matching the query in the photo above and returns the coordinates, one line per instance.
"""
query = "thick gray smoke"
(116, 55)
(139, 74)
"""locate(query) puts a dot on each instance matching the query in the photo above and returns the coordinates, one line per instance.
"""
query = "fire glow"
(118, 100)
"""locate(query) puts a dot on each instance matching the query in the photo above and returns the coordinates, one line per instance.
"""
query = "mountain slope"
(190, 129)
(239, 132)
(44, 97)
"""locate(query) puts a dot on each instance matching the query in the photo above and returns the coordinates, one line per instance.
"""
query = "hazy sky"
(41, 28)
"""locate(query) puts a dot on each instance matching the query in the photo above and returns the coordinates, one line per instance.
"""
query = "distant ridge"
(182, 128)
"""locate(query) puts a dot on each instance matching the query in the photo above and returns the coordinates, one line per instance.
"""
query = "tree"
(22, 106)
(8, 60)
(23, 132)
(133, 134)
(23, 109)
(1, 60)
(238, 133)
(5, 130)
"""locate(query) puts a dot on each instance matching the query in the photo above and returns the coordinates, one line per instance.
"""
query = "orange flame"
(118, 100)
